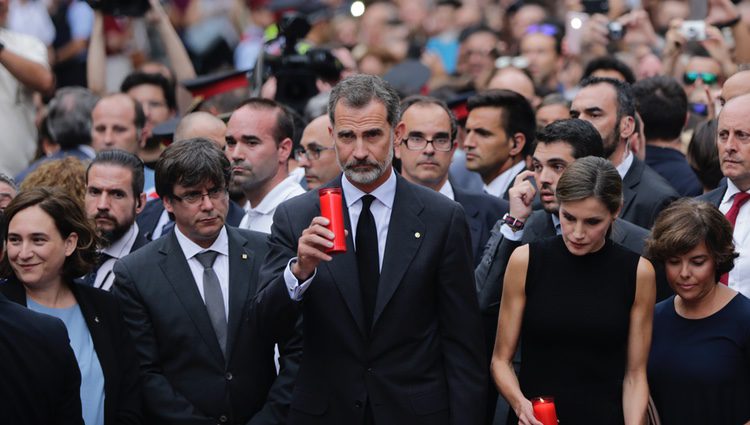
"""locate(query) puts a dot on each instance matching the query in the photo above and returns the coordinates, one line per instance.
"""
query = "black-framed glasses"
(312, 152)
(416, 142)
(193, 198)
(708, 78)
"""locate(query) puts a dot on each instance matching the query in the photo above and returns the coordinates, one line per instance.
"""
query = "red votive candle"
(544, 410)
(331, 208)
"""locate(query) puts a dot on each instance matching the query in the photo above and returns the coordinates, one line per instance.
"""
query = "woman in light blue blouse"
(49, 242)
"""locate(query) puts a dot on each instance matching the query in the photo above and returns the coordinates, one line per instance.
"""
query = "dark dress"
(699, 369)
(574, 333)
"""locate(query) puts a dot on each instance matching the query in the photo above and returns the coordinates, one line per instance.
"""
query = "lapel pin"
(417, 235)
(244, 256)
(96, 319)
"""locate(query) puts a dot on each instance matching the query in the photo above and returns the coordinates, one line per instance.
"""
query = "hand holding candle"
(544, 410)
(331, 208)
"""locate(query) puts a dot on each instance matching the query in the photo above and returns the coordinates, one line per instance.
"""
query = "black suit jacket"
(645, 193)
(482, 211)
(148, 218)
(422, 359)
(39, 378)
(113, 345)
(186, 378)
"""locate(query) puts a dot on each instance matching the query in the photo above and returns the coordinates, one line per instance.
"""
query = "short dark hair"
(610, 63)
(122, 159)
(68, 120)
(69, 217)
(284, 127)
(357, 91)
(517, 116)
(625, 97)
(190, 162)
(591, 177)
(139, 78)
(476, 29)
(663, 106)
(427, 100)
(686, 223)
(581, 135)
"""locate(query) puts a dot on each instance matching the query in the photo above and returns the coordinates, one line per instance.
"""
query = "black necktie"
(90, 278)
(367, 258)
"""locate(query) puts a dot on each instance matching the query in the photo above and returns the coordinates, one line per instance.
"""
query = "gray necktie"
(213, 296)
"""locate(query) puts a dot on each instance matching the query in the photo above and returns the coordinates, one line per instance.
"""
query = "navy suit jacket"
(421, 361)
(113, 346)
(715, 196)
(186, 377)
(39, 378)
(645, 193)
(149, 216)
(482, 211)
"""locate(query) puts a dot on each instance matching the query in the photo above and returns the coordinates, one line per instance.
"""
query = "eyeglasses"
(312, 152)
(416, 142)
(546, 29)
(193, 198)
(708, 78)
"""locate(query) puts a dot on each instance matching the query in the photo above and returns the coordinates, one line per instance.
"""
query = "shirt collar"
(122, 246)
(501, 183)
(447, 190)
(276, 196)
(190, 248)
(730, 192)
(624, 166)
(384, 193)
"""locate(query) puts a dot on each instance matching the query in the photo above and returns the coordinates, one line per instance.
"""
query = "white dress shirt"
(501, 183)
(221, 265)
(509, 234)
(625, 165)
(260, 218)
(380, 208)
(739, 276)
(447, 190)
(119, 248)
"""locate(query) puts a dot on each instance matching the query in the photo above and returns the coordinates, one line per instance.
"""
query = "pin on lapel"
(417, 235)
(244, 256)
(96, 319)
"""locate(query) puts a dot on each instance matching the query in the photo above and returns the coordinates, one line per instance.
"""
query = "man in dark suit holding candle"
(392, 333)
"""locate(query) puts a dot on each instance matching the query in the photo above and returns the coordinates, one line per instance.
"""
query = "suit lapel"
(343, 269)
(539, 226)
(177, 272)
(405, 234)
(472, 213)
(631, 180)
(242, 283)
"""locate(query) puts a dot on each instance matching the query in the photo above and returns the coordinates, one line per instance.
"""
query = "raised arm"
(512, 306)
(96, 59)
(33, 74)
(635, 385)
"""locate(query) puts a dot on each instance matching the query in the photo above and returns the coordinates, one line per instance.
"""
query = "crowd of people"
(540, 199)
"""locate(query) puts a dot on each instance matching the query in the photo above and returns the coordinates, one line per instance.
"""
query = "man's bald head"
(736, 85)
(201, 124)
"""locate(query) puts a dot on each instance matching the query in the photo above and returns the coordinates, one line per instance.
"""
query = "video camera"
(297, 73)
(121, 7)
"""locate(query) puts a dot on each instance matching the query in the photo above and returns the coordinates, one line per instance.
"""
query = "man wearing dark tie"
(731, 196)
(204, 339)
(114, 196)
(392, 333)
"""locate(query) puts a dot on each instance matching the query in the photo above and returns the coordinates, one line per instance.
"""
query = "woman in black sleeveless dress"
(581, 307)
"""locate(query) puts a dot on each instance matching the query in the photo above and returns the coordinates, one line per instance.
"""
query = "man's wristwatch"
(2, 46)
(512, 222)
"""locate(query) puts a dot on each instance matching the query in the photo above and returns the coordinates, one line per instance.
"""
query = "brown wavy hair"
(684, 225)
(69, 217)
(68, 174)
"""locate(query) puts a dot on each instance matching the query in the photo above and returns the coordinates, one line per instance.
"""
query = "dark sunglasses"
(707, 77)
(546, 29)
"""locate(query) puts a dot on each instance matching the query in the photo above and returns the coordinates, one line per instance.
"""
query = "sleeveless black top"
(575, 329)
